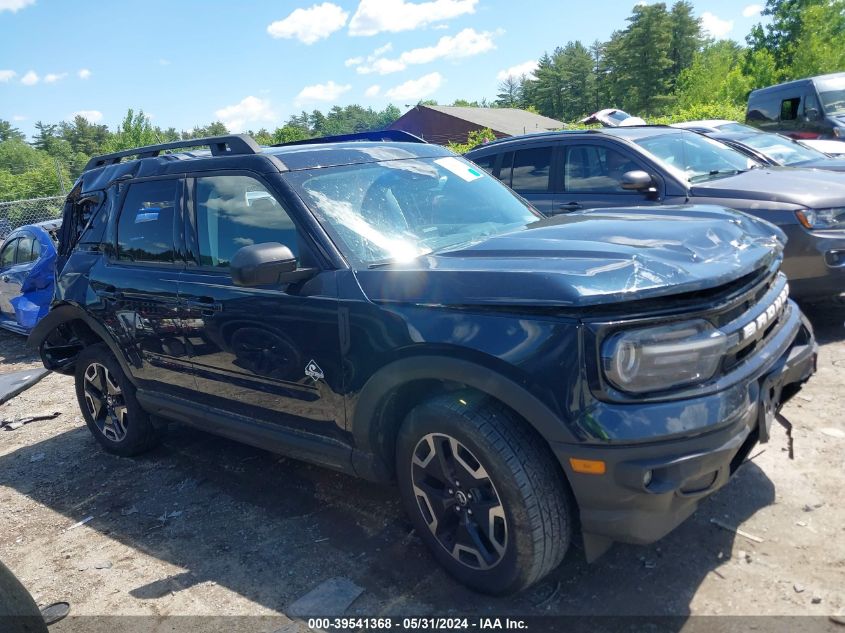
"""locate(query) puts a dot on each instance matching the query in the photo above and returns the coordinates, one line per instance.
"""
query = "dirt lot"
(205, 526)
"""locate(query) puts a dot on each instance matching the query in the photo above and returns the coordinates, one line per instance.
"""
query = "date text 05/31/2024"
(414, 624)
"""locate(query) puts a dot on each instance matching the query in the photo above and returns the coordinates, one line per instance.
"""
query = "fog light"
(647, 475)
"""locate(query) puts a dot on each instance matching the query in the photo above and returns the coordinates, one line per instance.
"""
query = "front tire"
(484, 492)
(108, 404)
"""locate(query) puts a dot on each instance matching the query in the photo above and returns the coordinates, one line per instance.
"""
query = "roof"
(796, 82)
(510, 121)
(288, 157)
(714, 123)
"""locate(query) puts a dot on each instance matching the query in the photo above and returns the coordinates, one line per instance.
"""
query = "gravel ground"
(206, 527)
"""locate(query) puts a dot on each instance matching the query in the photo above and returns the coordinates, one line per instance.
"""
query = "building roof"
(510, 121)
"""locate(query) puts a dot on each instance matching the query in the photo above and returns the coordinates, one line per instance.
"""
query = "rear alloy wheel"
(108, 404)
(484, 492)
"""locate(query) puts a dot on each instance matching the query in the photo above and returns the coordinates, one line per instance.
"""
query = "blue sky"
(253, 63)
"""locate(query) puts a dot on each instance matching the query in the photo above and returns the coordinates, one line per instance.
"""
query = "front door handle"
(570, 206)
(206, 305)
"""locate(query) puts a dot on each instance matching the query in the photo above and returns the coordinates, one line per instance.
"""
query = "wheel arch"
(64, 332)
(396, 388)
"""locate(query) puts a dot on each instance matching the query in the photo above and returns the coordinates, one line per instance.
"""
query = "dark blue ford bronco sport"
(382, 307)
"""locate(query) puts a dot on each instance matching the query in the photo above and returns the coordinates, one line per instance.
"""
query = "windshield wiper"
(716, 172)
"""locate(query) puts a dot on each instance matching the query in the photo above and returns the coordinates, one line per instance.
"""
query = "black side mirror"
(262, 264)
(811, 114)
(637, 180)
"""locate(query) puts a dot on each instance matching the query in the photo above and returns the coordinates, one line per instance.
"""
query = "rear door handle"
(570, 206)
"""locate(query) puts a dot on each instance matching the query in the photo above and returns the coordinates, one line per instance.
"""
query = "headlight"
(659, 358)
(822, 218)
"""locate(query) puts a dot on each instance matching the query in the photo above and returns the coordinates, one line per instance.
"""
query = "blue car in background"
(27, 275)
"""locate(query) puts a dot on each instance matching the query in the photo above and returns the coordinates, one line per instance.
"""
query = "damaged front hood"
(588, 258)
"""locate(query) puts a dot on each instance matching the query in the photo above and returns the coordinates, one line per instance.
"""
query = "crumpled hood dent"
(588, 258)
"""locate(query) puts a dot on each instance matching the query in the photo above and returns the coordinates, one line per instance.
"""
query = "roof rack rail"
(397, 136)
(231, 145)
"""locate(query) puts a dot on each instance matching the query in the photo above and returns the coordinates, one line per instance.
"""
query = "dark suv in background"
(560, 172)
(808, 108)
(389, 310)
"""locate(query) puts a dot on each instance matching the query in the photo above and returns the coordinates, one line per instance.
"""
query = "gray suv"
(561, 172)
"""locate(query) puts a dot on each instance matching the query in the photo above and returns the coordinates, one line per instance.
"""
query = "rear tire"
(108, 404)
(484, 492)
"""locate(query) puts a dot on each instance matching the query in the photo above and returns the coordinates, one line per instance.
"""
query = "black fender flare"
(65, 313)
(364, 426)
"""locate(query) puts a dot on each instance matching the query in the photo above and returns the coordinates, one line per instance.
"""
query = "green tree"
(714, 76)
(820, 46)
(26, 172)
(782, 35)
(510, 93)
(8, 132)
(644, 64)
(135, 130)
(686, 38)
(83, 136)
(216, 128)
(46, 135)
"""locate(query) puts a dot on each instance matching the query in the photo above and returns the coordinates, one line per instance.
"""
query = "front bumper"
(649, 489)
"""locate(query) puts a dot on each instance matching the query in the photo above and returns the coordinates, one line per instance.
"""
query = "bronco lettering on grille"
(768, 316)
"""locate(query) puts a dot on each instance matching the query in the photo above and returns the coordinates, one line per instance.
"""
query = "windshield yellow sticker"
(459, 168)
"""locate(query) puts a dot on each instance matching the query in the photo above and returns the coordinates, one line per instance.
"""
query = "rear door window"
(145, 230)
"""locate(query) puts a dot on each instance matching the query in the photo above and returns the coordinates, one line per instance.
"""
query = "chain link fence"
(20, 212)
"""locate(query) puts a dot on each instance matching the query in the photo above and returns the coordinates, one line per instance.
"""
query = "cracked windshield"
(394, 211)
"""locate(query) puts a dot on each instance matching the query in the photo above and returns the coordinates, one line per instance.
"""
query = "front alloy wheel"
(105, 401)
(459, 501)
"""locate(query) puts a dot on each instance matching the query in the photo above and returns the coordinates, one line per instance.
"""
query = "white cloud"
(51, 78)
(328, 91)
(30, 78)
(248, 110)
(716, 26)
(14, 5)
(84, 73)
(467, 43)
(353, 61)
(94, 116)
(7, 75)
(18, 117)
(525, 68)
(373, 91)
(377, 16)
(751, 10)
(310, 25)
(416, 89)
